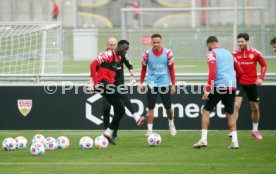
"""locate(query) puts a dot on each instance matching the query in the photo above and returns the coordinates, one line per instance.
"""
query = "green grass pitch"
(133, 155)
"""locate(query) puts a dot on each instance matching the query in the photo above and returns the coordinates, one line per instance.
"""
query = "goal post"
(30, 48)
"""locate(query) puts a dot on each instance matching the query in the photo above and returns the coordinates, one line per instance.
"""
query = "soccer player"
(55, 10)
(105, 70)
(111, 45)
(160, 64)
(221, 86)
(273, 44)
(248, 84)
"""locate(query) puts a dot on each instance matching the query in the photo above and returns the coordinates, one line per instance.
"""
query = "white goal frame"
(49, 35)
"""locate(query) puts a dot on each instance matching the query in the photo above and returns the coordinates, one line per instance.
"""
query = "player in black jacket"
(111, 45)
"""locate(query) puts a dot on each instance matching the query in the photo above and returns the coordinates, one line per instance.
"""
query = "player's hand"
(96, 86)
(205, 96)
(132, 81)
(173, 89)
(259, 82)
(141, 88)
(90, 85)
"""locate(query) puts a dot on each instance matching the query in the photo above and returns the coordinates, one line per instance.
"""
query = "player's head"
(156, 42)
(111, 43)
(273, 44)
(243, 40)
(122, 48)
(212, 42)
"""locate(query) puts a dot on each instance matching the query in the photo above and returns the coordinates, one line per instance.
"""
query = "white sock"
(204, 134)
(171, 122)
(234, 136)
(108, 131)
(136, 116)
(150, 127)
(255, 127)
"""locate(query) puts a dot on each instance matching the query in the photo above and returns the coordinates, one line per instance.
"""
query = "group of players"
(231, 75)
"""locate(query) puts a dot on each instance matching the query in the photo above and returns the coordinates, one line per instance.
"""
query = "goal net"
(28, 48)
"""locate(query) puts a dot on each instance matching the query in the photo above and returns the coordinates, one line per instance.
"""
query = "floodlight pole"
(235, 25)
(75, 11)
(123, 24)
(193, 14)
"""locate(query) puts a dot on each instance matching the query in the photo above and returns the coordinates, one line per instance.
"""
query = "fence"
(185, 43)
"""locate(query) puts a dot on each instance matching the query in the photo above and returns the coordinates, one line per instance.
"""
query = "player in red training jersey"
(249, 82)
(273, 44)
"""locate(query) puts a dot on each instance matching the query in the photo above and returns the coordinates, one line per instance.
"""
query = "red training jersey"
(248, 59)
(104, 67)
(55, 9)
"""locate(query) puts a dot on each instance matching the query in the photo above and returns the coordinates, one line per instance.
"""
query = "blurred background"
(184, 25)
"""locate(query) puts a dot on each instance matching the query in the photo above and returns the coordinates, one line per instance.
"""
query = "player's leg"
(209, 105)
(138, 118)
(119, 110)
(238, 101)
(228, 99)
(165, 95)
(106, 112)
(255, 119)
(151, 100)
(253, 97)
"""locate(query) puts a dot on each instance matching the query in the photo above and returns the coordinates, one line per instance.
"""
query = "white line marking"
(84, 164)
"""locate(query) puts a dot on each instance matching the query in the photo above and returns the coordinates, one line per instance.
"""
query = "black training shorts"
(163, 92)
(226, 96)
(251, 91)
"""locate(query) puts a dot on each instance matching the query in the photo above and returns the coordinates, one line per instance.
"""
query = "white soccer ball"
(21, 142)
(86, 142)
(50, 143)
(101, 142)
(9, 144)
(38, 138)
(37, 149)
(154, 139)
(63, 142)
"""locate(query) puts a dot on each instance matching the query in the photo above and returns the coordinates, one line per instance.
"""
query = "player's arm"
(238, 69)
(171, 70)
(93, 71)
(263, 64)
(127, 62)
(211, 60)
(143, 70)
(129, 66)
(103, 57)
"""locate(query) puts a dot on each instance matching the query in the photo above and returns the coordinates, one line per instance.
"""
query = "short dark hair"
(243, 35)
(211, 39)
(122, 42)
(156, 35)
(273, 41)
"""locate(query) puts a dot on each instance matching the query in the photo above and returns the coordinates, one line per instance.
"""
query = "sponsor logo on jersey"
(24, 106)
(118, 67)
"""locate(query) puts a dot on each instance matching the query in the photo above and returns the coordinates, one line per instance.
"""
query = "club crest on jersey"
(251, 56)
(24, 106)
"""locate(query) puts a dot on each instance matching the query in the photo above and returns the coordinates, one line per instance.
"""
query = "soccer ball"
(21, 142)
(154, 139)
(50, 143)
(37, 149)
(38, 138)
(86, 142)
(63, 142)
(9, 144)
(101, 142)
